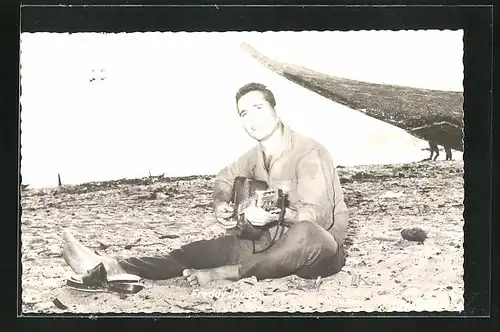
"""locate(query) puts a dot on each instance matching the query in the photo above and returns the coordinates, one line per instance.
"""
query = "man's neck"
(273, 143)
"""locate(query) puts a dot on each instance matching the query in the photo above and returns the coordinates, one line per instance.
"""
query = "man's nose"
(250, 121)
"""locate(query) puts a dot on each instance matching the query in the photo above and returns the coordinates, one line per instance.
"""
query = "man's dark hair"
(268, 95)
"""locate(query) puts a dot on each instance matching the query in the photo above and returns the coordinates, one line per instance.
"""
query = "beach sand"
(151, 216)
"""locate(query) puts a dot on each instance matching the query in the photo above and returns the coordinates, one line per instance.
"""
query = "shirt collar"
(287, 137)
(286, 141)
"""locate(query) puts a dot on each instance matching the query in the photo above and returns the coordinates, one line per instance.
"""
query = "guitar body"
(247, 192)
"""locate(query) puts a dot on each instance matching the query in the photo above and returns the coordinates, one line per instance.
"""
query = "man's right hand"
(223, 212)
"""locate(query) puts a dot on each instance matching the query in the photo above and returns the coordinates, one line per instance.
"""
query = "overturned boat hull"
(431, 115)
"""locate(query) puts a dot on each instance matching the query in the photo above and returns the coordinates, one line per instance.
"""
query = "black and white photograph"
(242, 171)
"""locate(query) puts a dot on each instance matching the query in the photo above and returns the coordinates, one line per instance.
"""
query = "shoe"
(97, 280)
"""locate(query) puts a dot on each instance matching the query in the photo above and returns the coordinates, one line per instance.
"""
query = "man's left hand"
(259, 217)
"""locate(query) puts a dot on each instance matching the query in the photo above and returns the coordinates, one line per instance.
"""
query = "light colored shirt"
(305, 171)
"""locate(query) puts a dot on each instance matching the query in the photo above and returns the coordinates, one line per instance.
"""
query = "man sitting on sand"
(315, 219)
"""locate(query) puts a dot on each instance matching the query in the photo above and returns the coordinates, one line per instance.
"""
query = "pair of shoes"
(97, 280)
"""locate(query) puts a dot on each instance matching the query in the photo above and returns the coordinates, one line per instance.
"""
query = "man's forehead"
(253, 96)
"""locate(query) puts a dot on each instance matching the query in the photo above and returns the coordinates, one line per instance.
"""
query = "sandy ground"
(383, 272)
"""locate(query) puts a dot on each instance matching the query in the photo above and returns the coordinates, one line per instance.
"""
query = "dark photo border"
(475, 21)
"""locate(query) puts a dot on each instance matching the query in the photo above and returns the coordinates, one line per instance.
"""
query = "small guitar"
(249, 192)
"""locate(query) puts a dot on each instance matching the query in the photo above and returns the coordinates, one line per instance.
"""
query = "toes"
(188, 274)
(193, 281)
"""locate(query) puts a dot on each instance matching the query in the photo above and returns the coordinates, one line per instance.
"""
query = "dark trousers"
(306, 250)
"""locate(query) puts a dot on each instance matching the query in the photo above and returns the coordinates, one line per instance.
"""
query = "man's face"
(258, 116)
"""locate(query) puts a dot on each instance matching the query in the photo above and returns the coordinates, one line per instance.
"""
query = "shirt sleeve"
(243, 166)
(319, 197)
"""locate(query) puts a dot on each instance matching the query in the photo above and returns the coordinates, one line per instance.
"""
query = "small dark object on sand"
(103, 246)
(169, 236)
(59, 304)
(150, 196)
(414, 234)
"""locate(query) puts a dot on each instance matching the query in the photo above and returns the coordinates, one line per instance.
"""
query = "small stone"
(414, 234)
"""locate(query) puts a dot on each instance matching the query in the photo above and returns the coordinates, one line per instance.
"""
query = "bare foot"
(205, 276)
(82, 259)
(198, 277)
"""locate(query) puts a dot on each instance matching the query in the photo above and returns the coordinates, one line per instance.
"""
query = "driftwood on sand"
(432, 115)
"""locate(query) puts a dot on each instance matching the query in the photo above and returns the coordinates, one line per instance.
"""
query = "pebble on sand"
(414, 234)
